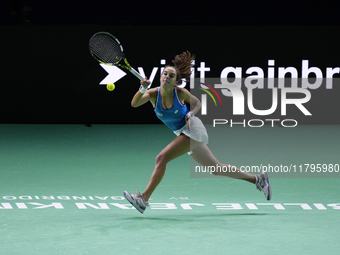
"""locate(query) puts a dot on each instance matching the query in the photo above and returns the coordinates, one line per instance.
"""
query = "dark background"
(48, 76)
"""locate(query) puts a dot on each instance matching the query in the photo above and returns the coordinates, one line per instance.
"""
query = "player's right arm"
(150, 95)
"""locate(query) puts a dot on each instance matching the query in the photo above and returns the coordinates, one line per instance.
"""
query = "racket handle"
(135, 73)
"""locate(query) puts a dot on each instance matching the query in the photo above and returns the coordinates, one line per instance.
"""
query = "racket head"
(106, 48)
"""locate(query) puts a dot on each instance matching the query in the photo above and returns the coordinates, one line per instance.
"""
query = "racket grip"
(135, 73)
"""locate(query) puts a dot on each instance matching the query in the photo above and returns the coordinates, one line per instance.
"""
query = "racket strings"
(106, 48)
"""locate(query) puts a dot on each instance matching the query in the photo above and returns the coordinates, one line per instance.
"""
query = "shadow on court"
(187, 218)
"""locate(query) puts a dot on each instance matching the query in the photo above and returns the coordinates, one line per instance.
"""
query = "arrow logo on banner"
(114, 74)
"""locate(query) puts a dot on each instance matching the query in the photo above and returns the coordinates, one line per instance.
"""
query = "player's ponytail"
(183, 64)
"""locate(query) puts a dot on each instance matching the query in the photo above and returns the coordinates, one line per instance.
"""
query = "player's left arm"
(195, 104)
(186, 97)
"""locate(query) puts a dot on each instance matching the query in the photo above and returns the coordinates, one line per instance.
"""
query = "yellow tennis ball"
(110, 86)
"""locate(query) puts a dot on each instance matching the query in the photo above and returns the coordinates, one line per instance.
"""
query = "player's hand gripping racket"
(106, 49)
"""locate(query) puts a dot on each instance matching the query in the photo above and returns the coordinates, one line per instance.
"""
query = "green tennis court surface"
(61, 193)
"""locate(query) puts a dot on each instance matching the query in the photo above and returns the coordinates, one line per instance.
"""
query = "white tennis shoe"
(262, 184)
(137, 200)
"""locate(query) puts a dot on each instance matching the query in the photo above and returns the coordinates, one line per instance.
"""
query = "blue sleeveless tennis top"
(174, 118)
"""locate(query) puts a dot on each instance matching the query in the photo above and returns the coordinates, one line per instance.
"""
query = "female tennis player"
(169, 102)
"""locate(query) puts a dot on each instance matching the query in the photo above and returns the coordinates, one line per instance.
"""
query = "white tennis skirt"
(197, 131)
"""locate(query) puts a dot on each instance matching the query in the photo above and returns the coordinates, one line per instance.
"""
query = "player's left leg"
(205, 157)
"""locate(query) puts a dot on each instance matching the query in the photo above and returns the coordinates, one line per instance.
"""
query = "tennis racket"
(106, 49)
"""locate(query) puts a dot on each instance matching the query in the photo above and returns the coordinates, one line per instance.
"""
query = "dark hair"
(183, 64)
